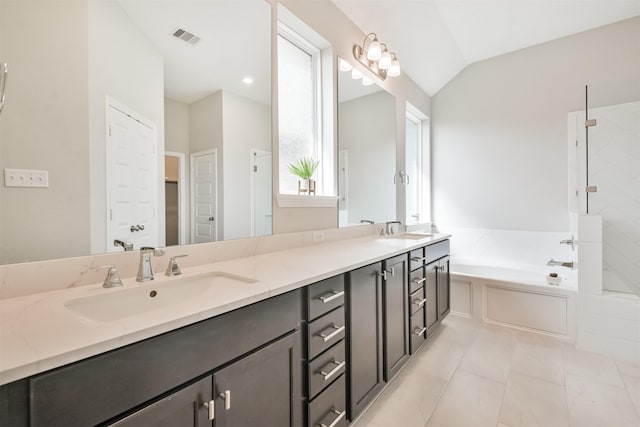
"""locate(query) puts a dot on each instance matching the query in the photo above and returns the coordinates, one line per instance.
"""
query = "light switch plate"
(26, 178)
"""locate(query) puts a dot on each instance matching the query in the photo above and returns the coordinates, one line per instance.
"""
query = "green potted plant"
(304, 169)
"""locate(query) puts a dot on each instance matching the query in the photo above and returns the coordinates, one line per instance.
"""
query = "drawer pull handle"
(418, 259)
(327, 375)
(419, 302)
(336, 331)
(419, 281)
(211, 406)
(340, 416)
(419, 332)
(226, 396)
(330, 296)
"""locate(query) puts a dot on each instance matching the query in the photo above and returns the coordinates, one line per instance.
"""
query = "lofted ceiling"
(436, 39)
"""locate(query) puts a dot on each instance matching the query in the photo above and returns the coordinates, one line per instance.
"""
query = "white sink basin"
(409, 236)
(119, 303)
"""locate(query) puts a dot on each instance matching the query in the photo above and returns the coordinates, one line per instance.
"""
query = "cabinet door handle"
(418, 259)
(336, 331)
(330, 296)
(419, 281)
(382, 274)
(419, 332)
(334, 423)
(211, 406)
(419, 302)
(392, 271)
(327, 375)
(226, 396)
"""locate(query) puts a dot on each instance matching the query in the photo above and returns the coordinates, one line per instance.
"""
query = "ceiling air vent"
(186, 36)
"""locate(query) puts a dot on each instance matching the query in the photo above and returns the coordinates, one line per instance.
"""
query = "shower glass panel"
(613, 166)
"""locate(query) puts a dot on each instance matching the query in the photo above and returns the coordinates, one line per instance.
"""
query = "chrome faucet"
(113, 279)
(127, 246)
(552, 263)
(173, 269)
(145, 272)
(366, 221)
(389, 229)
(571, 242)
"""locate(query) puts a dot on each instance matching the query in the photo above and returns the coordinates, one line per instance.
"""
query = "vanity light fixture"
(356, 74)
(247, 80)
(377, 57)
(366, 81)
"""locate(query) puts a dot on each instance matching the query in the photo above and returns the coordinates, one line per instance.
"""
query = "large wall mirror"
(152, 120)
(366, 149)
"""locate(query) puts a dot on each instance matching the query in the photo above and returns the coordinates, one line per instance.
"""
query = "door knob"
(211, 218)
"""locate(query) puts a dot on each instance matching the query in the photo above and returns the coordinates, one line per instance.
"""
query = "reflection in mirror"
(366, 149)
(152, 120)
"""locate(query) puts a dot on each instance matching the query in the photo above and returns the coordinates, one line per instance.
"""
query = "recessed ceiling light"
(247, 80)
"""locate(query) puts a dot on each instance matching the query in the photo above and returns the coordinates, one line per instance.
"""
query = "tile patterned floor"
(484, 375)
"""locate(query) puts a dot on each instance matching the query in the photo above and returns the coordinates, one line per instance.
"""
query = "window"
(299, 109)
(417, 164)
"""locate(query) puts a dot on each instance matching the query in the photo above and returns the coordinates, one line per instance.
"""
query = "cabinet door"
(364, 337)
(444, 288)
(182, 408)
(261, 389)
(396, 342)
(431, 294)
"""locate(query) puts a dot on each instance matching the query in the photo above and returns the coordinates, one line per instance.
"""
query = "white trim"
(299, 201)
(182, 197)
(253, 152)
(213, 151)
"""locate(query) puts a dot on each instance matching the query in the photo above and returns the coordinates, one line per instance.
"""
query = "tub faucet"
(552, 263)
(145, 272)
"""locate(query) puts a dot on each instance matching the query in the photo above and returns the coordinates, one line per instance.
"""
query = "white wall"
(43, 126)
(367, 130)
(246, 125)
(176, 134)
(500, 128)
(125, 66)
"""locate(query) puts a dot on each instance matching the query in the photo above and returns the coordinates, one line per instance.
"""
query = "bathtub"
(516, 295)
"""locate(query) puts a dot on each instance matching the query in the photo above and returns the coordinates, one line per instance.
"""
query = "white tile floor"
(484, 375)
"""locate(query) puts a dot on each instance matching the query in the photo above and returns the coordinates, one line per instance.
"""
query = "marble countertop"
(38, 332)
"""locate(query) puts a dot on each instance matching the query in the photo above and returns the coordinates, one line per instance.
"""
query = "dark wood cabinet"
(431, 293)
(260, 389)
(315, 356)
(186, 407)
(364, 337)
(444, 288)
(395, 303)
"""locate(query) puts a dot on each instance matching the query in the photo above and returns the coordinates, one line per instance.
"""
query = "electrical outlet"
(318, 236)
(26, 178)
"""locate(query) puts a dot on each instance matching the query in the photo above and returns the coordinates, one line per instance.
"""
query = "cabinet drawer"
(418, 330)
(416, 280)
(325, 332)
(326, 368)
(329, 408)
(417, 301)
(436, 251)
(324, 296)
(416, 259)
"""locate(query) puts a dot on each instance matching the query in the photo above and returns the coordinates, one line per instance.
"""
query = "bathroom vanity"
(314, 352)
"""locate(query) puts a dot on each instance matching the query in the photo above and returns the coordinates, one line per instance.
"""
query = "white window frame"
(316, 64)
(424, 165)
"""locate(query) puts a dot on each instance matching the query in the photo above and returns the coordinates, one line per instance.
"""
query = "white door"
(132, 179)
(203, 195)
(261, 198)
